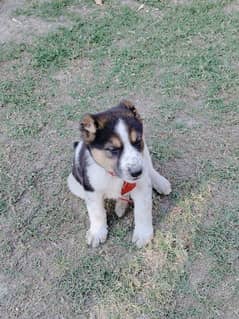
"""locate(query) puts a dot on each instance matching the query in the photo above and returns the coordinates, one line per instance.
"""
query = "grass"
(180, 65)
(47, 9)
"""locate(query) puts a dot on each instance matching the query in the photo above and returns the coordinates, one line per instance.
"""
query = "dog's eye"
(112, 151)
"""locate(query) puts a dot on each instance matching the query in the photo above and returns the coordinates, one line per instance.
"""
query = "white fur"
(142, 197)
(98, 226)
(108, 186)
(131, 158)
(75, 187)
(159, 183)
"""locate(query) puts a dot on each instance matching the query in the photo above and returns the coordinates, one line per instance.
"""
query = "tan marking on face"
(133, 136)
(104, 161)
(116, 142)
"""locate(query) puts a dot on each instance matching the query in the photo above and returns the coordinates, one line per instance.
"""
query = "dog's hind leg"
(159, 183)
(120, 206)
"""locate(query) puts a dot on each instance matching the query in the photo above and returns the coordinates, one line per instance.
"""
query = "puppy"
(113, 161)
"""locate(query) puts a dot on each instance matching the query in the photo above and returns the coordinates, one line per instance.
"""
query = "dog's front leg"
(143, 231)
(98, 224)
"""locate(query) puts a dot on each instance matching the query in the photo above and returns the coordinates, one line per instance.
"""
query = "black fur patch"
(79, 170)
(110, 118)
(75, 144)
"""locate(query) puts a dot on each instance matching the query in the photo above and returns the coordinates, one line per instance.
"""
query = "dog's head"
(115, 140)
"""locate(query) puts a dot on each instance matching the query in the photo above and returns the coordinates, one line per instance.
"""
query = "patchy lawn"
(179, 62)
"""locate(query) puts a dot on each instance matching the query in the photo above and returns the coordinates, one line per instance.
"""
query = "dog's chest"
(119, 189)
(112, 187)
(113, 191)
(104, 182)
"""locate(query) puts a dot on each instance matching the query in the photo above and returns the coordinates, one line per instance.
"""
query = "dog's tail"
(159, 183)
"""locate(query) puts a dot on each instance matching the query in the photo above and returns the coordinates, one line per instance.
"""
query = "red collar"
(127, 187)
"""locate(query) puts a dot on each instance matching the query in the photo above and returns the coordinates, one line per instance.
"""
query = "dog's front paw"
(94, 238)
(142, 237)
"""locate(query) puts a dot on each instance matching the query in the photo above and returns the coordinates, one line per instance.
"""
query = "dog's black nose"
(135, 173)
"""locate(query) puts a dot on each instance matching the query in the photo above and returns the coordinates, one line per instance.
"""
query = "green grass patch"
(46, 9)
(183, 62)
(19, 93)
(93, 277)
(3, 206)
(83, 39)
(11, 51)
(217, 243)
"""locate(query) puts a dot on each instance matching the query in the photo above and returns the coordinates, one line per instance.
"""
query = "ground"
(179, 62)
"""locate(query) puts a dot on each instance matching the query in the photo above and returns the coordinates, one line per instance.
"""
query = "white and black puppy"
(113, 161)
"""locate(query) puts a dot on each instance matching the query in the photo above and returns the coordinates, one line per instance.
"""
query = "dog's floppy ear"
(88, 128)
(129, 105)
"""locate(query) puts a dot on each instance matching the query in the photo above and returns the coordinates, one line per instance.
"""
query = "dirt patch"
(85, 11)
(183, 167)
(23, 29)
(232, 7)
(187, 121)
(180, 2)
(199, 270)
(122, 44)
(7, 6)
(4, 288)
(71, 81)
(11, 70)
(131, 4)
(142, 8)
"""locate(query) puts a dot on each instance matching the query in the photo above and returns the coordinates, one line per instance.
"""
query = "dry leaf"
(99, 2)
(140, 7)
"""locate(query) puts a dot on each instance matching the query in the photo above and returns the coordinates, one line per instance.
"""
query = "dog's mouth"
(132, 179)
(128, 177)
